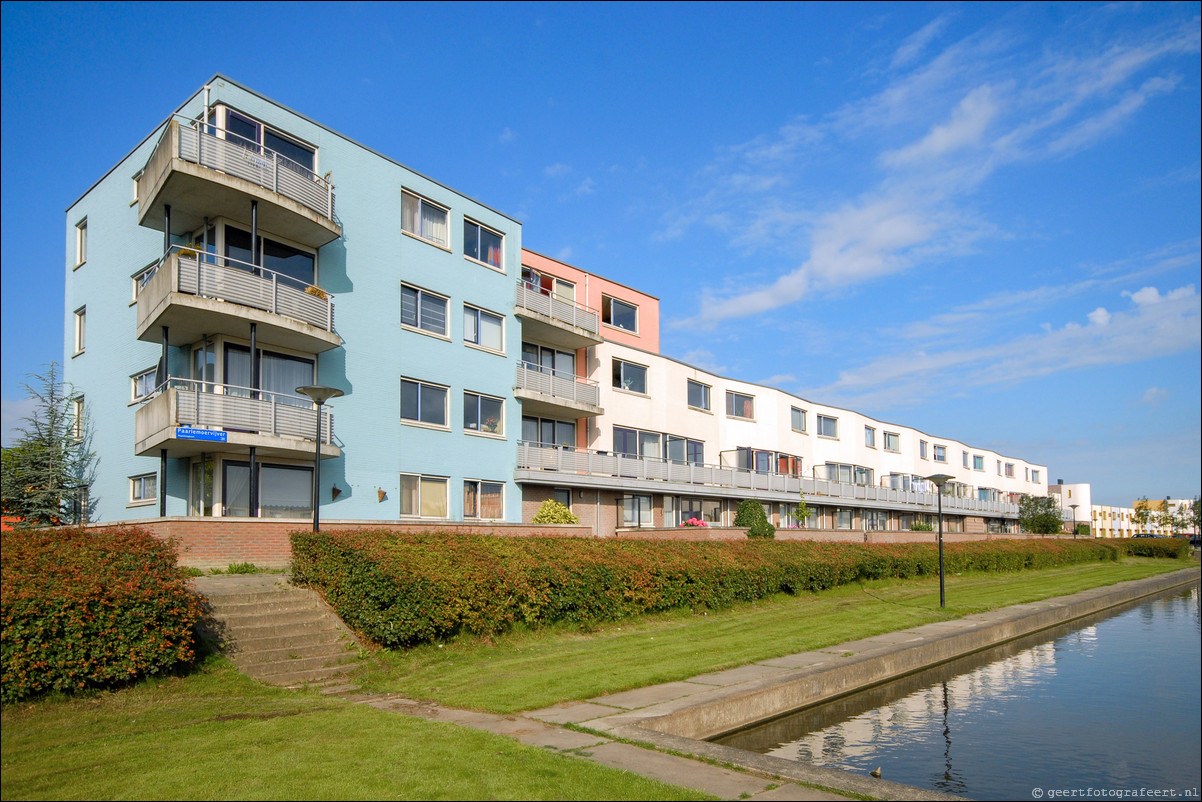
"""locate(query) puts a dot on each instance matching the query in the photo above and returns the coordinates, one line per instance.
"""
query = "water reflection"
(1104, 702)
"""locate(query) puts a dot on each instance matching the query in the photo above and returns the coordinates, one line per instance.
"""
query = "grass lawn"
(219, 735)
(534, 669)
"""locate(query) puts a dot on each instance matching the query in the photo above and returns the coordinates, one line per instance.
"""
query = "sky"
(978, 220)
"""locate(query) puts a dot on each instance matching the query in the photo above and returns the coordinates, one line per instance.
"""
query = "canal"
(1102, 707)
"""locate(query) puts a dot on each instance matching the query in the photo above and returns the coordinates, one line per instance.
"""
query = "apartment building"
(242, 251)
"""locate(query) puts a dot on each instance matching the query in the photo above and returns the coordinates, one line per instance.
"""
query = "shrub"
(553, 512)
(751, 515)
(91, 609)
(401, 589)
(921, 526)
(1172, 547)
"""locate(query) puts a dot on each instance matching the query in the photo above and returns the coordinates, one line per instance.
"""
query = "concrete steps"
(277, 633)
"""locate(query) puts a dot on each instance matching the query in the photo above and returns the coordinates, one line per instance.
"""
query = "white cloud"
(507, 136)
(557, 170)
(779, 380)
(1099, 316)
(1154, 395)
(586, 187)
(966, 127)
(916, 42)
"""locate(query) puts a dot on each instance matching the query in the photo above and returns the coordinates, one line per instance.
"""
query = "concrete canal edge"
(679, 716)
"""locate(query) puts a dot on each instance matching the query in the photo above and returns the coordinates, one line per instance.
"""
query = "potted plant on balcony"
(317, 292)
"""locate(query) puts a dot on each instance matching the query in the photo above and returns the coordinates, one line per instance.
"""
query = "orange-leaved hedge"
(90, 608)
(400, 589)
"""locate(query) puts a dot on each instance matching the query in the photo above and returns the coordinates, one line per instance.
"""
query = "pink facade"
(599, 294)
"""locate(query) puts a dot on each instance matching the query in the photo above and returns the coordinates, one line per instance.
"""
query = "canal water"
(1101, 708)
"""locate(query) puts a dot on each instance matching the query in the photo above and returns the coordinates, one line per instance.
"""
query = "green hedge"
(90, 608)
(1173, 547)
(402, 589)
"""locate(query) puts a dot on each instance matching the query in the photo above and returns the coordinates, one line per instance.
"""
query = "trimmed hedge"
(90, 608)
(401, 589)
(1172, 547)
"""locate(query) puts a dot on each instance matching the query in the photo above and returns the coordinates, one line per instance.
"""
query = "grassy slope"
(529, 670)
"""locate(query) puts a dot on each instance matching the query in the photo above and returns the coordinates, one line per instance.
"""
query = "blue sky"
(980, 220)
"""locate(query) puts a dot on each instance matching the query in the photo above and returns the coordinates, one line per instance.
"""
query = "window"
(544, 359)
(1034, 475)
(684, 451)
(141, 278)
(965, 458)
(423, 219)
(619, 314)
(143, 489)
(423, 496)
(636, 510)
(483, 329)
(481, 244)
(739, 405)
(1010, 469)
(827, 426)
(81, 242)
(547, 432)
(848, 474)
(798, 417)
(563, 495)
(251, 135)
(143, 384)
(634, 443)
(77, 417)
(922, 448)
(482, 413)
(892, 442)
(940, 453)
(289, 262)
(978, 462)
(844, 518)
(423, 310)
(81, 328)
(423, 403)
(699, 395)
(870, 437)
(484, 500)
(999, 469)
(629, 376)
(874, 520)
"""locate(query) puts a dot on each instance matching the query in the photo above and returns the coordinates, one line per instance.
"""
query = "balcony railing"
(547, 304)
(566, 460)
(241, 409)
(210, 276)
(226, 152)
(557, 384)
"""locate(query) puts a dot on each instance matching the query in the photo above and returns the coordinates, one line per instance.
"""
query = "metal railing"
(565, 459)
(211, 276)
(548, 304)
(225, 151)
(235, 408)
(558, 384)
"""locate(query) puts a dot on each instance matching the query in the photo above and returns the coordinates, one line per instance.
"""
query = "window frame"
(732, 403)
(835, 425)
(922, 449)
(870, 436)
(638, 498)
(422, 480)
(939, 453)
(81, 243)
(139, 481)
(978, 462)
(607, 302)
(446, 403)
(78, 417)
(479, 311)
(499, 431)
(133, 381)
(797, 414)
(500, 266)
(479, 485)
(620, 379)
(139, 282)
(896, 439)
(1009, 474)
(81, 330)
(705, 391)
(445, 334)
(423, 201)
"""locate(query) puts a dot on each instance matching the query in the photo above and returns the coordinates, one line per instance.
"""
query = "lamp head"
(940, 479)
(319, 393)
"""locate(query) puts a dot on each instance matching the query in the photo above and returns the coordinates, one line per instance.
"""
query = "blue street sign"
(185, 433)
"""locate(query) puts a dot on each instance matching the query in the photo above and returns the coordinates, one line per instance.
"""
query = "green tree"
(1195, 514)
(803, 511)
(1143, 511)
(1039, 515)
(48, 473)
(751, 515)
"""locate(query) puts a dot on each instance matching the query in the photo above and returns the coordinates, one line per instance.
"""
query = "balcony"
(554, 321)
(210, 173)
(188, 417)
(555, 394)
(545, 464)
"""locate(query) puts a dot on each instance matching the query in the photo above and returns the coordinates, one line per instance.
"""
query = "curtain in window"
(492, 500)
(490, 332)
(235, 489)
(434, 224)
(285, 492)
(434, 498)
(471, 500)
(409, 213)
(409, 495)
(283, 374)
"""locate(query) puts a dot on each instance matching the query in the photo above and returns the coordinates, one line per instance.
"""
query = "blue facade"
(368, 259)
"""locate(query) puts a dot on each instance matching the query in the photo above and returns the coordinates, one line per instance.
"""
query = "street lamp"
(1073, 507)
(320, 394)
(940, 479)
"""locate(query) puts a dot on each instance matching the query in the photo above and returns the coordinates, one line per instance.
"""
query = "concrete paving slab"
(677, 770)
(734, 676)
(559, 739)
(572, 712)
(642, 697)
(799, 660)
(799, 793)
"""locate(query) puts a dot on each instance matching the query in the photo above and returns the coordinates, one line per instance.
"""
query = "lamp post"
(1073, 507)
(940, 479)
(320, 394)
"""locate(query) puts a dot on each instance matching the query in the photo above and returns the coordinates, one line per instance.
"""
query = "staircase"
(277, 633)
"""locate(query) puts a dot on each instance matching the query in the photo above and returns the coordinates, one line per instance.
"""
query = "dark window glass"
(294, 152)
